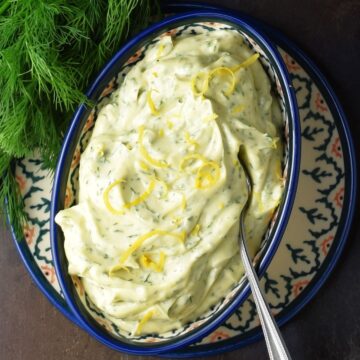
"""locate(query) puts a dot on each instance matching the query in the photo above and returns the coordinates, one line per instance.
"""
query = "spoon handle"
(275, 343)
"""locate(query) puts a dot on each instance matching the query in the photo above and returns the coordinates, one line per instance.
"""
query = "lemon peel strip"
(195, 230)
(161, 262)
(141, 198)
(211, 117)
(128, 205)
(106, 199)
(274, 143)
(116, 268)
(148, 316)
(169, 124)
(164, 185)
(190, 140)
(147, 262)
(236, 109)
(249, 61)
(145, 154)
(260, 203)
(143, 166)
(205, 84)
(151, 104)
(222, 70)
(191, 157)
(140, 240)
(160, 50)
(183, 202)
(206, 175)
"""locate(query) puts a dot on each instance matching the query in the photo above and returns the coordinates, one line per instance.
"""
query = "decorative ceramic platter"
(220, 310)
(312, 241)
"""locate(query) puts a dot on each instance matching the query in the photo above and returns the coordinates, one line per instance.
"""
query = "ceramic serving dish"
(65, 188)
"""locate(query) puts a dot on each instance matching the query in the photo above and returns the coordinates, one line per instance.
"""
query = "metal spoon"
(274, 341)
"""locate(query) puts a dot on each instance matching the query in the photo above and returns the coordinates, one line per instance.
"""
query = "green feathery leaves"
(49, 52)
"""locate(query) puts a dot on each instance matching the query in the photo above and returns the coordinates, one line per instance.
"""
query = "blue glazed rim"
(83, 318)
(340, 239)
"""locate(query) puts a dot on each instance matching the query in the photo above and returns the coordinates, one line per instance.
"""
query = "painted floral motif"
(104, 324)
(21, 181)
(320, 103)
(49, 272)
(76, 159)
(108, 90)
(308, 238)
(218, 336)
(135, 57)
(299, 286)
(35, 190)
(29, 233)
(90, 121)
(336, 148)
(170, 33)
(151, 340)
(68, 197)
(290, 63)
(339, 197)
(326, 244)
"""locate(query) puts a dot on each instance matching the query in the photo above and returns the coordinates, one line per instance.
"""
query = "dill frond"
(14, 202)
(49, 51)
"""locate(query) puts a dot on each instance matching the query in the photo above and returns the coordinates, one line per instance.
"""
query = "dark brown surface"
(329, 327)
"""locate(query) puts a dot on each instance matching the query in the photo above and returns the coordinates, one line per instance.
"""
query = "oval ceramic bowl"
(66, 181)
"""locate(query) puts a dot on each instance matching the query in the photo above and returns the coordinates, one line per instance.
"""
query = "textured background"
(327, 328)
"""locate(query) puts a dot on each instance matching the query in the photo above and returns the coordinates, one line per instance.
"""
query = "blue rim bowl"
(72, 137)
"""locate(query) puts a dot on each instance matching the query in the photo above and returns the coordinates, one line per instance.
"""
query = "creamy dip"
(154, 236)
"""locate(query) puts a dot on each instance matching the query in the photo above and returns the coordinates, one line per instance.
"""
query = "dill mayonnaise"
(154, 236)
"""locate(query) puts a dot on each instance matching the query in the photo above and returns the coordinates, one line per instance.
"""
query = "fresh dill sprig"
(49, 51)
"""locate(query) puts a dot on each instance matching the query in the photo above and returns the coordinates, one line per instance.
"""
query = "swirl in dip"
(154, 236)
